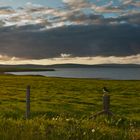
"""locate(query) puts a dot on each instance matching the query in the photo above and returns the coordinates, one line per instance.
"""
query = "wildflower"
(93, 130)
(131, 124)
(84, 133)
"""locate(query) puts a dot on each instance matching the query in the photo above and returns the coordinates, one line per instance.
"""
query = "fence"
(106, 104)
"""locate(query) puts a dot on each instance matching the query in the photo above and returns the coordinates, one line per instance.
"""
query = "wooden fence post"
(106, 102)
(28, 102)
(106, 105)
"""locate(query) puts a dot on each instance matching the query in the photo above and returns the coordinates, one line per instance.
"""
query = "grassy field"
(61, 108)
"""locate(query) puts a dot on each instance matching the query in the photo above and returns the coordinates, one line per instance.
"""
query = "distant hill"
(93, 66)
(71, 66)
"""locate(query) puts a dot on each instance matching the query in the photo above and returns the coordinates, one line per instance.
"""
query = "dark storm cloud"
(95, 40)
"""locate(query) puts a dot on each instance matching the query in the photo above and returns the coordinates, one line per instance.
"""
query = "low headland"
(23, 68)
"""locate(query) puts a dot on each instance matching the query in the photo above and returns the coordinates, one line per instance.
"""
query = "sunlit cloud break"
(134, 59)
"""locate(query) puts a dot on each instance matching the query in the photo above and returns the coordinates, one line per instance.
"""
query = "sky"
(69, 31)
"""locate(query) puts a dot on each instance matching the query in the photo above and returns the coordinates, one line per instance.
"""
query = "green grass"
(61, 108)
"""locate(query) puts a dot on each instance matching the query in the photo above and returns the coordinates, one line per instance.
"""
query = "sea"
(109, 73)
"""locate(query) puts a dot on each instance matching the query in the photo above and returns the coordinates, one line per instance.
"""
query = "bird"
(105, 90)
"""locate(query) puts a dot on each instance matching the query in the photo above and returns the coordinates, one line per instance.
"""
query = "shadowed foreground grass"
(40, 128)
(60, 109)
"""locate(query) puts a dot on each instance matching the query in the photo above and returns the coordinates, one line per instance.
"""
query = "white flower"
(84, 133)
(93, 130)
(67, 120)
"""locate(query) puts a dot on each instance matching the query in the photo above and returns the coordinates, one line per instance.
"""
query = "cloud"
(27, 42)
(73, 13)
(64, 55)
(134, 59)
(79, 29)
(79, 3)
(7, 58)
(131, 3)
(137, 4)
(6, 10)
(132, 18)
(107, 8)
(73, 1)
(127, 2)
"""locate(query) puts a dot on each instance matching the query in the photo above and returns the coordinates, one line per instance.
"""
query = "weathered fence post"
(106, 104)
(28, 102)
